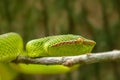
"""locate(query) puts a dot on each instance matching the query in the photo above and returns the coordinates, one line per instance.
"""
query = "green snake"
(11, 46)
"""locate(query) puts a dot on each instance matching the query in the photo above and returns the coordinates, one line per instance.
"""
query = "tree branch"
(72, 60)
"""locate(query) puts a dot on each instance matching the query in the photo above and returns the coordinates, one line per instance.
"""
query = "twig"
(72, 60)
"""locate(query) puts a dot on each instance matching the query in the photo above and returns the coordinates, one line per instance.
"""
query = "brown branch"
(71, 60)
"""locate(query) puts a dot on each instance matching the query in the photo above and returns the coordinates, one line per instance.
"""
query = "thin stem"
(72, 60)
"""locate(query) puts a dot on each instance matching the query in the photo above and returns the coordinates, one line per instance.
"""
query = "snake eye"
(80, 40)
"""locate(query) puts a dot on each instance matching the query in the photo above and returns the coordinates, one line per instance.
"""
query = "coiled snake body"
(11, 45)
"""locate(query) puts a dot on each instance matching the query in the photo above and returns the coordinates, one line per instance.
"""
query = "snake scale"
(11, 45)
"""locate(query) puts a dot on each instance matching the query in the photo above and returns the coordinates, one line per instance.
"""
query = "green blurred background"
(94, 19)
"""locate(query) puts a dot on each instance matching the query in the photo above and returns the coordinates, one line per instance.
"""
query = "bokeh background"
(94, 19)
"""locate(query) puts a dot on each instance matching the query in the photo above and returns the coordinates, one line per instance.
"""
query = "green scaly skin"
(60, 45)
(11, 45)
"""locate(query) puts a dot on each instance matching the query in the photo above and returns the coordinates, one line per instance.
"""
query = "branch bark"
(72, 60)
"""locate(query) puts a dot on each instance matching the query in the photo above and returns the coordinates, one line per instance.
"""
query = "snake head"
(59, 45)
